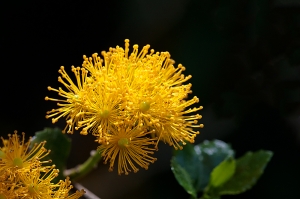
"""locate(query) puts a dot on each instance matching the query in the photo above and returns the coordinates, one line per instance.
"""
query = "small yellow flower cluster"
(23, 174)
(128, 101)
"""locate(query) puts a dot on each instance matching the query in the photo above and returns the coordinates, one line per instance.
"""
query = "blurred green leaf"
(223, 172)
(183, 178)
(248, 170)
(58, 143)
(200, 160)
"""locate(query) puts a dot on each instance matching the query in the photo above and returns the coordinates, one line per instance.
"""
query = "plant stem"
(82, 170)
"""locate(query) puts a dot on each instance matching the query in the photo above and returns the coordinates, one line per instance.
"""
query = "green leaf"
(58, 143)
(183, 178)
(223, 172)
(200, 160)
(248, 170)
(211, 154)
(188, 159)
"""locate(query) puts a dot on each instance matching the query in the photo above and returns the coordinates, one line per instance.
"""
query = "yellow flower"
(163, 108)
(103, 112)
(134, 88)
(22, 174)
(74, 106)
(63, 188)
(141, 89)
(130, 147)
(36, 185)
(15, 154)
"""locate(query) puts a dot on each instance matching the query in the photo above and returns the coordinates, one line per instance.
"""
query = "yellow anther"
(54, 120)
(84, 131)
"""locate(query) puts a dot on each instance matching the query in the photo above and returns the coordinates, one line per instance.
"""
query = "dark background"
(244, 56)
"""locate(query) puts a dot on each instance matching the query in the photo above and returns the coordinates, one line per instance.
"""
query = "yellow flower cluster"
(129, 102)
(23, 174)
